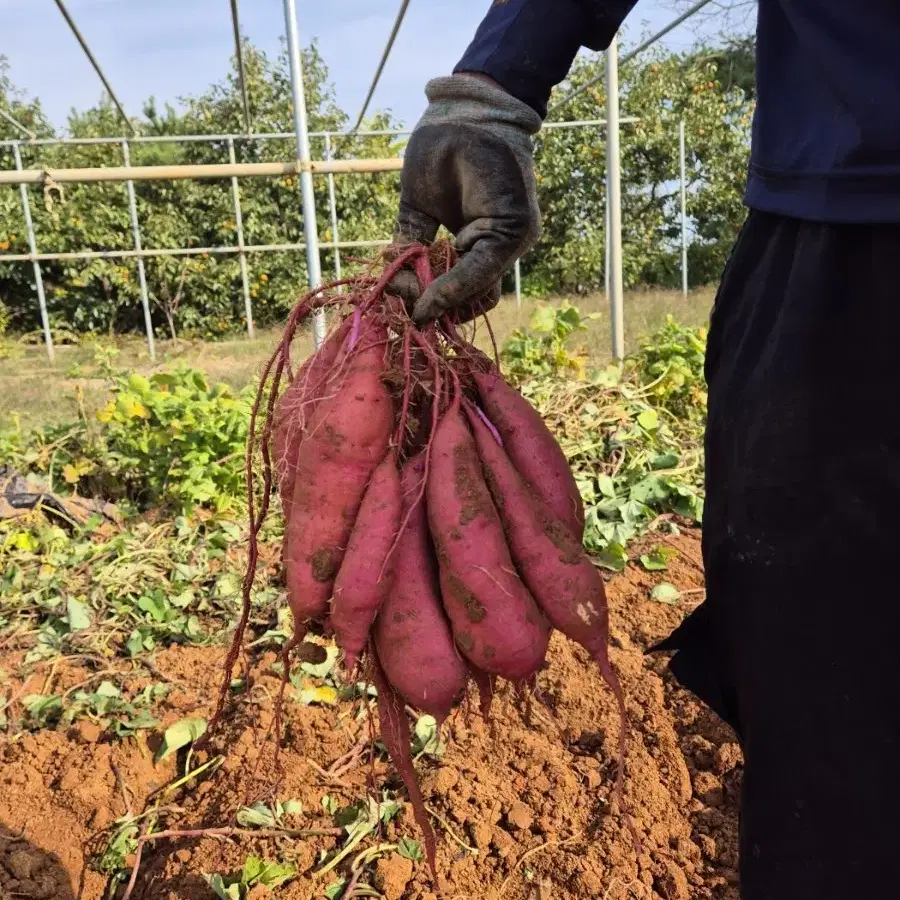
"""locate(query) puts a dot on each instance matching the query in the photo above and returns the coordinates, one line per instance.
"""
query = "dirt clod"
(392, 875)
(520, 816)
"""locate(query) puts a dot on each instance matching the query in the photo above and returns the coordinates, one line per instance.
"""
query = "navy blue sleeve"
(528, 46)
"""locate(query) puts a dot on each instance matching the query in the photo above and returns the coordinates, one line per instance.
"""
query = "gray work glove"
(469, 167)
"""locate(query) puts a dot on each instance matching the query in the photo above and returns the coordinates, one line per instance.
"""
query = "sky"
(171, 48)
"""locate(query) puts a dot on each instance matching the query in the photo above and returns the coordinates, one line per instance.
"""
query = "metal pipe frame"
(17, 125)
(301, 128)
(203, 172)
(182, 251)
(398, 22)
(263, 136)
(93, 61)
(239, 57)
(142, 272)
(614, 203)
(242, 253)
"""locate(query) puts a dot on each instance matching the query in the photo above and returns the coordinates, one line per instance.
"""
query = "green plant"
(542, 348)
(106, 706)
(670, 363)
(255, 872)
(172, 439)
(633, 458)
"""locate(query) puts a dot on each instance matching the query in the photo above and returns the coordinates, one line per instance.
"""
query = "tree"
(659, 91)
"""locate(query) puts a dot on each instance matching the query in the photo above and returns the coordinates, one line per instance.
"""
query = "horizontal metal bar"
(181, 251)
(202, 138)
(265, 136)
(201, 172)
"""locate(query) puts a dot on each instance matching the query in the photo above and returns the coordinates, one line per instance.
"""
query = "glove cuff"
(478, 101)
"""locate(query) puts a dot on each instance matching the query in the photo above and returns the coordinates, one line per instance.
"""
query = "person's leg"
(801, 533)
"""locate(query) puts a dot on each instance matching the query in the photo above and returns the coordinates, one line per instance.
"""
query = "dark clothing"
(826, 135)
(796, 642)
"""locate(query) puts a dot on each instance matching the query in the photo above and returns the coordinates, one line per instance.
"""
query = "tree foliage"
(201, 294)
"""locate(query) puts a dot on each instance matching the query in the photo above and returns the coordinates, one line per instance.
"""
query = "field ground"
(40, 393)
(112, 638)
(529, 816)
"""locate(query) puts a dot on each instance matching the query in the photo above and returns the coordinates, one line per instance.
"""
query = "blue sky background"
(170, 48)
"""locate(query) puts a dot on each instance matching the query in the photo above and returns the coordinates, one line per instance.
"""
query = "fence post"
(239, 228)
(310, 229)
(614, 200)
(32, 248)
(332, 203)
(684, 239)
(142, 274)
(517, 269)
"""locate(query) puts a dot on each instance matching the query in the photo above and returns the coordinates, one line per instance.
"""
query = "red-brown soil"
(533, 793)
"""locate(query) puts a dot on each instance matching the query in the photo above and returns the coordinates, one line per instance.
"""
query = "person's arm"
(469, 166)
(528, 46)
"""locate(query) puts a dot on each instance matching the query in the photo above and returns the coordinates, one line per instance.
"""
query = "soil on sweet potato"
(533, 793)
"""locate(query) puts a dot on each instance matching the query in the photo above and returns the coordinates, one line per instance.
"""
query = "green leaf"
(665, 593)
(335, 890)
(613, 557)
(291, 808)
(256, 816)
(410, 849)
(78, 614)
(648, 420)
(181, 734)
(664, 461)
(606, 486)
(223, 890)
(658, 560)
(426, 737)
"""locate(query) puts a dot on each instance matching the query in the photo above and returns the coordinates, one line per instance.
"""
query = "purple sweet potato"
(412, 633)
(365, 577)
(564, 582)
(346, 438)
(295, 407)
(395, 733)
(495, 620)
(532, 448)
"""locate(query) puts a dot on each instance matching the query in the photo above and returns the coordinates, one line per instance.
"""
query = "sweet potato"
(552, 562)
(494, 618)
(365, 578)
(397, 739)
(532, 448)
(412, 634)
(346, 438)
(295, 407)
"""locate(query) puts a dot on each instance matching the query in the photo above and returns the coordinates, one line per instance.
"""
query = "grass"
(38, 392)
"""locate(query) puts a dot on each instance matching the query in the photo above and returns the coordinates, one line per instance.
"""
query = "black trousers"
(796, 644)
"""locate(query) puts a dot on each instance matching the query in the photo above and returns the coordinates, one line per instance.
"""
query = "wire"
(632, 53)
(242, 74)
(93, 61)
(384, 58)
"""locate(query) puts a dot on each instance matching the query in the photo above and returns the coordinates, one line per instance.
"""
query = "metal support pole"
(93, 61)
(332, 204)
(32, 246)
(684, 237)
(142, 274)
(301, 126)
(239, 58)
(517, 270)
(17, 125)
(239, 228)
(614, 201)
